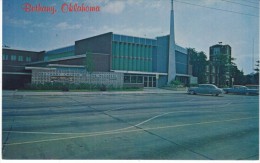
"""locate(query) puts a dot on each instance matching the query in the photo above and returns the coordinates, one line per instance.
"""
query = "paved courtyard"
(173, 126)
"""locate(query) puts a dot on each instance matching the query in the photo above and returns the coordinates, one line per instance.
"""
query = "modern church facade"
(144, 61)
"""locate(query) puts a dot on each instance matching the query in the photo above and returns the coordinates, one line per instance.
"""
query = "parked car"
(252, 86)
(205, 89)
(239, 89)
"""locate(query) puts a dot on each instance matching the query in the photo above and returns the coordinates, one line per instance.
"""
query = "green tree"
(237, 75)
(256, 74)
(223, 65)
(199, 63)
(257, 67)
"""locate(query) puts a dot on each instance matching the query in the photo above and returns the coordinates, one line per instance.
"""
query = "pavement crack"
(7, 137)
(172, 142)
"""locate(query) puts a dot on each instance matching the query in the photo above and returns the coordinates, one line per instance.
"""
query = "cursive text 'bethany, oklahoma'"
(65, 8)
(27, 7)
(74, 7)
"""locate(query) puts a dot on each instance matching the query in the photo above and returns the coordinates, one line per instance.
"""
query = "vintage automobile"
(205, 89)
(252, 86)
(239, 89)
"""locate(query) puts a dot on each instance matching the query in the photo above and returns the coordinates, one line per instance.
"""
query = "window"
(127, 79)
(5, 57)
(139, 79)
(216, 51)
(116, 37)
(133, 79)
(28, 59)
(20, 58)
(13, 57)
(123, 38)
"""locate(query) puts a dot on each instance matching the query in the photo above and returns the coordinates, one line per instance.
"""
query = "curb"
(21, 94)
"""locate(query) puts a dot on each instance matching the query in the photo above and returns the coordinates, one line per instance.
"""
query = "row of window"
(139, 58)
(137, 40)
(148, 81)
(7, 57)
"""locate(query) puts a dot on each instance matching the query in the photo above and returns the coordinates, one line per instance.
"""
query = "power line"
(240, 4)
(217, 9)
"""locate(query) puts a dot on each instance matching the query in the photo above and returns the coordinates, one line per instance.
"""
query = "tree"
(199, 63)
(222, 64)
(237, 75)
(257, 67)
(256, 74)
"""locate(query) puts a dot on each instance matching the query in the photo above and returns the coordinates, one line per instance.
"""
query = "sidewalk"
(32, 93)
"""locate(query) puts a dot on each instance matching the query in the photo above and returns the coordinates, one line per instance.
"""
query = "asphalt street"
(131, 126)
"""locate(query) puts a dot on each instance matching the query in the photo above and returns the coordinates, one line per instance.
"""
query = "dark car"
(239, 89)
(205, 89)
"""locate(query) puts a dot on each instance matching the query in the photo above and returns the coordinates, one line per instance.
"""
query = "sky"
(199, 24)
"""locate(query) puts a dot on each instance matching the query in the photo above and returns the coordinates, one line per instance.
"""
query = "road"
(131, 126)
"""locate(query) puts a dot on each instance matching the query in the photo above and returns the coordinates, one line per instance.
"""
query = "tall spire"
(172, 63)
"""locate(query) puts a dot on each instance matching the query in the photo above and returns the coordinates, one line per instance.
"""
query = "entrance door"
(146, 83)
(149, 81)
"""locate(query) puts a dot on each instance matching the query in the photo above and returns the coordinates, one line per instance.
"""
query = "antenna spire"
(172, 4)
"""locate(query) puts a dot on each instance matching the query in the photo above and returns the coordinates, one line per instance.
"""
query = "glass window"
(148, 41)
(28, 59)
(136, 40)
(130, 39)
(216, 51)
(123, 38)
(154, 42)
(13, 57)
(116, 37)
(127, 79)
(5, 57)
(133, 79)
(20, 58)
(140, 79)
(142, 40)
(154, 81)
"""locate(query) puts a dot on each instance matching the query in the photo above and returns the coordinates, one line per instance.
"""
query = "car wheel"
(192, 93)
(226, 92)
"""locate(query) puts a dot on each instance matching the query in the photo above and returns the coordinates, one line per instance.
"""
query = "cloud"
(17, 22)
(114, 7)
(66, 26)
(134, 2)
(154, 4)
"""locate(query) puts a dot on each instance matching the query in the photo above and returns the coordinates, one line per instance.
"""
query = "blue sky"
(197, 24)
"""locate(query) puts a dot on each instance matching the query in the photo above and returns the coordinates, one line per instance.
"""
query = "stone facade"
(76, 76)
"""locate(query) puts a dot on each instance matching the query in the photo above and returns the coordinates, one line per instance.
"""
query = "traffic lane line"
(159, 114)
(125, 128)
(129, 131)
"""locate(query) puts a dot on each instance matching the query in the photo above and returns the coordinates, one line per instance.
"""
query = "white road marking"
(125, 128)
(128, 131)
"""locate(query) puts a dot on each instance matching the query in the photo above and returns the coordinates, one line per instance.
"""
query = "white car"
(205, 89)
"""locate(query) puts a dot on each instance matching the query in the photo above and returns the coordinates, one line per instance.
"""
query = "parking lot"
(131, 126)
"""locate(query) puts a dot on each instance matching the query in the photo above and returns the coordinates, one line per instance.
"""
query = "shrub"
(103, 88)
(176, 84)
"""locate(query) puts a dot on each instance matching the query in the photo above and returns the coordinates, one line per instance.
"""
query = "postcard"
(130, 80)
